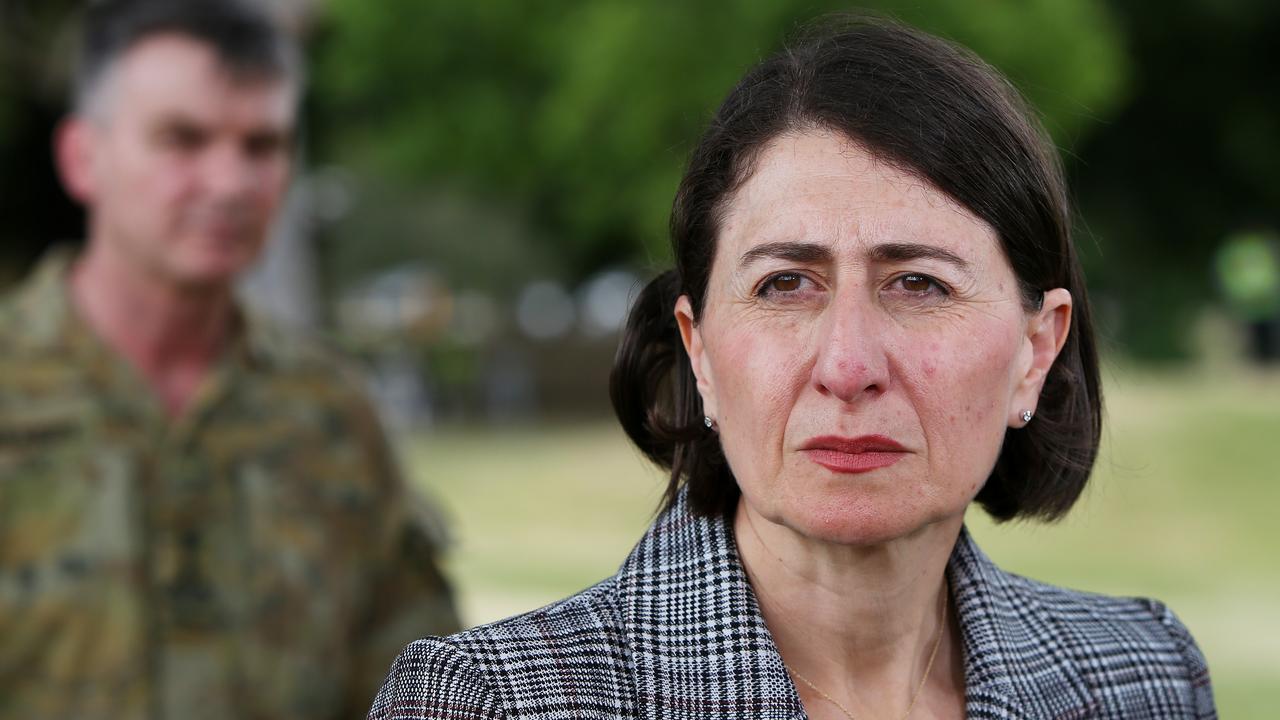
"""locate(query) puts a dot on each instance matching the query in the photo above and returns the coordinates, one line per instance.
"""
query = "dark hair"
(939, 112)
(245, 39)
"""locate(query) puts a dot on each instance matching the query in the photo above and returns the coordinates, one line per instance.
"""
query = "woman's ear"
(1047, 332)
(692, 338)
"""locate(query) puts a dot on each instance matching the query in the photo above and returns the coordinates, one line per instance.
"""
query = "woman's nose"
(851, 362)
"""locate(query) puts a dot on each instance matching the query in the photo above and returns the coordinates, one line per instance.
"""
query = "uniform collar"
(50, 318)
(700, 648)
(49, 322)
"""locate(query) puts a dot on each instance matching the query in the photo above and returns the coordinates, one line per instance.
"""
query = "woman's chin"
(860, 522)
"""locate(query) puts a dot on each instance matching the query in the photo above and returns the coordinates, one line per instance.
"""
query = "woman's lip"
(860, 444)
(853, 455)
(843, 462)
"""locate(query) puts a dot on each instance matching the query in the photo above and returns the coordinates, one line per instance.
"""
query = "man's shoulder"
(297, 379)
(35, 362)
(302, 362)
(291, 349)
(32, 311)
(10, 311)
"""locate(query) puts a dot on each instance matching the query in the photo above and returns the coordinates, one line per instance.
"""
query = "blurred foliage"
(34, 66)
(1192, 156)
(7, 109)
(501, 141)
(577, 116)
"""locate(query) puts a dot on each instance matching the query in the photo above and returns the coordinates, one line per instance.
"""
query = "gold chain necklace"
(942, 624)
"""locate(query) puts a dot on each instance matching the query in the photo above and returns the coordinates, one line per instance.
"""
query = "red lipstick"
(853, 455)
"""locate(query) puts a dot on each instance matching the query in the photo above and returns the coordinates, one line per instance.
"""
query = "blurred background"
(484, 186)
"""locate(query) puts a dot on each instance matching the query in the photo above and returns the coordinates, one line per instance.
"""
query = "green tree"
(575, 117)
(34, 63)
(1191, 156)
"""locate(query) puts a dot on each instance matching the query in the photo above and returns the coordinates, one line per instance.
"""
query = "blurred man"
(199, 516)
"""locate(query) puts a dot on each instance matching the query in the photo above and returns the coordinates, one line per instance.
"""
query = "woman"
(876, 318)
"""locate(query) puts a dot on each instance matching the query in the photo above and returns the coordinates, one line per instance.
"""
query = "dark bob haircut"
(938, 112)
(245, 38)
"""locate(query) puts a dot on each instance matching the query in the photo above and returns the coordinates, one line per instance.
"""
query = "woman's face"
(862, 347)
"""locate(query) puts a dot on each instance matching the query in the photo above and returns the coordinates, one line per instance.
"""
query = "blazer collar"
(1015, 664)
(700, 648)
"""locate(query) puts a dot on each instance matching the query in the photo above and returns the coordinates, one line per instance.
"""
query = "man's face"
(183, 162)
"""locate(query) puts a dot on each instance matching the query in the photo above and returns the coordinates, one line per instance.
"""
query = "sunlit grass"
(1184, 506)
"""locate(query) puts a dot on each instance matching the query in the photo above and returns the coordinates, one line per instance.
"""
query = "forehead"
(173, 75)
(819, 187)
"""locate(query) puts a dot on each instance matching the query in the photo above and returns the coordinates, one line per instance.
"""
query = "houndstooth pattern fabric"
(677, 634)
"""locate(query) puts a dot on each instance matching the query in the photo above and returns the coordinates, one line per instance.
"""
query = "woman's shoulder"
(526, 662)
(1092, 618)
(580, 624)
(1116, 655)
(430, 677)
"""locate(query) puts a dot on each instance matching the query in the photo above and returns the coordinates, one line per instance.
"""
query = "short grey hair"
(245, 38)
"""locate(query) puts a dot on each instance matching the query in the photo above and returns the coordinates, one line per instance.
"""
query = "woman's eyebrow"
(808, 253)
(813, 254)
(902, 252)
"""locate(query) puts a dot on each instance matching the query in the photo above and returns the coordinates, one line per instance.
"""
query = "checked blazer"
(677, 634)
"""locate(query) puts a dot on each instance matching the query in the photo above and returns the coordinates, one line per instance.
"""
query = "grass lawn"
(1184, 506)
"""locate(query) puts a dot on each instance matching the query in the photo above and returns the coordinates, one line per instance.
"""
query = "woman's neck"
(860, 623)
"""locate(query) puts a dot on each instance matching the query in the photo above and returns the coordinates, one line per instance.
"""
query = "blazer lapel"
(700, 648)
(1015, 664)
(698, 644)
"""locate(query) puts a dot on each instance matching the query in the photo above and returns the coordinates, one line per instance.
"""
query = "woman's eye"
(785, 283)
(918, 284)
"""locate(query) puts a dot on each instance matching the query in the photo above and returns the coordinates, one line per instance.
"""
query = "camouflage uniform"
(255, 558)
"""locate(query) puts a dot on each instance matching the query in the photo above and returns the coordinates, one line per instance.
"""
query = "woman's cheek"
(759, 377)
